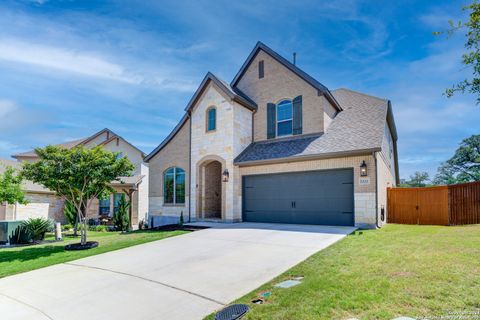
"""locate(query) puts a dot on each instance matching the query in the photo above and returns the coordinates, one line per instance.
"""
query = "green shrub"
(67, 227)
(37, 227)
(101, 228)
(70, 213)
(120, 218)
(21, 236)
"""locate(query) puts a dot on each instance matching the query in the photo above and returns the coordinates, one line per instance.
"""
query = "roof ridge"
(361, 93)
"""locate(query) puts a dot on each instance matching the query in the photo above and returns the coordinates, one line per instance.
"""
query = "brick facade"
(280, 83)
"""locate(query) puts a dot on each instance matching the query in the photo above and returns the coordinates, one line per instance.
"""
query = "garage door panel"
(314, 197)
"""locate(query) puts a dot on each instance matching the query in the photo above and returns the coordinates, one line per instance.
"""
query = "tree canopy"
(464, 166)
(11, 187)
(78, 175)
(418, 179)
(471, 59)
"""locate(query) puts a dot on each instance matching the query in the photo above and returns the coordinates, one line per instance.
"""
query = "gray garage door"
(310, 197)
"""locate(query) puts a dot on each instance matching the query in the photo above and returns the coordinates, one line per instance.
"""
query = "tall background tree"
(418, 179)
(464, 166)
(471, 59)
(11, 187)
(78, 175)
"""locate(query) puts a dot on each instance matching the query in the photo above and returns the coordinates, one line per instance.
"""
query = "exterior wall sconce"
(225, 175)
(363, 169)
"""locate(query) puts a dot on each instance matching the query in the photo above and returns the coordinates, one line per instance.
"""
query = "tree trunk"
(83, 230)
(75, 226)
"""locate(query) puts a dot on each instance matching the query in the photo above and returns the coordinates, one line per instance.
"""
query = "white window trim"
(285, 120)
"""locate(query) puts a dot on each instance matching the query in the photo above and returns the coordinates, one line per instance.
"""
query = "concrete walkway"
(184, 277)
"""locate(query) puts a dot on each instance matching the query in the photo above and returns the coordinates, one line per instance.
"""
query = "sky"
(71, 68)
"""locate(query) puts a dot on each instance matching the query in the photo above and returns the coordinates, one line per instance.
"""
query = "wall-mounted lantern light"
(363, 169)
(225, 175)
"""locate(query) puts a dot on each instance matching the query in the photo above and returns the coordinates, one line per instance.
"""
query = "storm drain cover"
(233, 312)
(287, 284)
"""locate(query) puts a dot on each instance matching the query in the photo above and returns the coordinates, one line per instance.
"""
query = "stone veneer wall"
(386, 179)
(232, 135)
(280, 83)
(41, 205)
(364, 195)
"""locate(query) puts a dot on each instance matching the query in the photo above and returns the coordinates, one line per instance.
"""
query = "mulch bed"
(79, 246)
(175, 227)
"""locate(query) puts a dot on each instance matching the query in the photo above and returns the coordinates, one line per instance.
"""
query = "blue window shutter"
(297, 115)
(271, 120)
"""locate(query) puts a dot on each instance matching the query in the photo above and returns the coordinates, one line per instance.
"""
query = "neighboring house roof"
(128, 181)
(27, 186)
(302, 74)
(234, 93)
(77, 142)
(68, 145)
(359, 128)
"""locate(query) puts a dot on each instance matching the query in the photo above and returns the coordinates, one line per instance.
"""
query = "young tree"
(11, 187)
(120, 218)
(464, 166)
(471, 59)
(78, 175)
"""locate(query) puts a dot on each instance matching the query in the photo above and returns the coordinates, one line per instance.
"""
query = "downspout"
(190, 169)
(376, 189)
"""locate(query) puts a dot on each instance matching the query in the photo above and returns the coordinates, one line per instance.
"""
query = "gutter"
(190, 171)
(376, 189)
(307, 157)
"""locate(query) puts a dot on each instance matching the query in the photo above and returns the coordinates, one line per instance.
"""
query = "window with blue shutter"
(297, 115)
(271, 120)
(284, 118)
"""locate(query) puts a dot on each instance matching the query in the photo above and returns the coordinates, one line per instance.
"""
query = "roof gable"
(300, 73)
(74, 143)
(235, 94)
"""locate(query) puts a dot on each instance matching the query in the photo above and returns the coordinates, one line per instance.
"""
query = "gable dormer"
(289, 101)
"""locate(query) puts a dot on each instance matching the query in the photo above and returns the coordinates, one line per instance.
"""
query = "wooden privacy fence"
(443, 205)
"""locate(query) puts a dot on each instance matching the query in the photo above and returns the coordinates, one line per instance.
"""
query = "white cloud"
(6, 108)
(64, 60)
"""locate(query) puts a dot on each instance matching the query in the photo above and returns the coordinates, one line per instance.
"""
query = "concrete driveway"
(184, 277)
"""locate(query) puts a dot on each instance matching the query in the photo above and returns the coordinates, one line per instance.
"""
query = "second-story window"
(211, 119)
(284, 118)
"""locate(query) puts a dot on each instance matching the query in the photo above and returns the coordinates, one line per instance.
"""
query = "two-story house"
(277, 146)
(44, 203)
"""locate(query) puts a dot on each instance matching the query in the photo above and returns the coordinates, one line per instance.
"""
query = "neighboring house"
(276, 146)
(43, 202)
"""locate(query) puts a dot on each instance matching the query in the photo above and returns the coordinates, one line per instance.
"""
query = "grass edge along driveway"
(415, 271)
(21, 259)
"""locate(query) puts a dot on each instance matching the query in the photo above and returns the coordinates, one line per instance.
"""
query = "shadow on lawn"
(27, 254)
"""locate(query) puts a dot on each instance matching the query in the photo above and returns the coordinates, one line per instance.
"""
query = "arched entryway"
(210, 189)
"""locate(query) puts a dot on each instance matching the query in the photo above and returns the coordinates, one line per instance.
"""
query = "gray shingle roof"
(358, 128)
(68, 145)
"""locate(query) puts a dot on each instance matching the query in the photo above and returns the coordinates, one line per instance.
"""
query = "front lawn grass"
(21, 259)
(416, 271)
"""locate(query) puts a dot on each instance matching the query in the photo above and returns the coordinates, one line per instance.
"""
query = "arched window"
(211, 119)
(284, 118)
(174, 186)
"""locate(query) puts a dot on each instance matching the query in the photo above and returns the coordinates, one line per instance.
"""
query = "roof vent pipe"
(294, 58)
